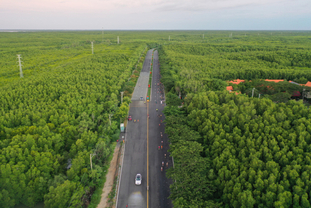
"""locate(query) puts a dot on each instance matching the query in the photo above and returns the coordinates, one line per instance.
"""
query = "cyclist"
(162, 163)
(164, 156)
(161, 169)
(158, 147)
(157, 110)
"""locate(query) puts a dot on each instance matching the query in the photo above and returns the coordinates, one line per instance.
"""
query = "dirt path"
(112, 172)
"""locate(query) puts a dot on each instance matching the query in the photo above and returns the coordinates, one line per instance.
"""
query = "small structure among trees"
(278, 90)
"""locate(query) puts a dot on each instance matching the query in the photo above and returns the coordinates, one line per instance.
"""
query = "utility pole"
(20, 66)
(91, 156)
(92, 48)
(110, 118)
(253, 92)
(103, 33)
(118, 39)
(121, 97)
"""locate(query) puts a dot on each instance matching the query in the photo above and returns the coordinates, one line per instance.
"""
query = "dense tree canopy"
(233, 150)
(50, 123)
(200, 66)
(253, 152)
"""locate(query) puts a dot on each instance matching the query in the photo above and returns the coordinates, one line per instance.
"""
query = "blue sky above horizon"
(156, 14)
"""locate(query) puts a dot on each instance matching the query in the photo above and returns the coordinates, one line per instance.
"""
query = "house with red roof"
(230, 88)
(295, 94)
(237, 81)
(274, 80)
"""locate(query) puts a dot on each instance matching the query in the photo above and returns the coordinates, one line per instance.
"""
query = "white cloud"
(145, 14)
(158, 5)
(130, 6)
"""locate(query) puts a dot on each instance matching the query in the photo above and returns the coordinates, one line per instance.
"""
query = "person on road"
(166, 164)
(161, 142)
(158, 147)
(161, 169)
(162, 163)
(161, 146)
(157, 110)
(164, 156)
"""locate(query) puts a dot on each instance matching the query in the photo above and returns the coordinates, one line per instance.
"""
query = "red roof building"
(308, 84)
(229, 88)
(237, 81)
(274, 80)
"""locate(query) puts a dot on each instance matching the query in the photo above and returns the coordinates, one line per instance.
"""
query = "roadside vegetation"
(57, 117)
(229, 149)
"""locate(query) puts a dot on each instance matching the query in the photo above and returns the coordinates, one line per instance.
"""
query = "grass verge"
(96, 197)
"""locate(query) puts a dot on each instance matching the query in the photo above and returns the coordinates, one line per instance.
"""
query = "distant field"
(190, 65)
(42, 51)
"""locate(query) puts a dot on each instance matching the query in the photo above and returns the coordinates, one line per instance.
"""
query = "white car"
(138, 179)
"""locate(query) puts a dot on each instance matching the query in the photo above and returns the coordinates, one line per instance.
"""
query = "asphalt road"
(141, 87)
(135, 155)
(159, 184)
(135, 160)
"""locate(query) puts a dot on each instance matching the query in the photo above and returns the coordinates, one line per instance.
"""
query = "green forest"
(229, 150)
(232, 150)
(58, 114)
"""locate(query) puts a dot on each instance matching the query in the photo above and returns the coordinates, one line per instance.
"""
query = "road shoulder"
(110, 176)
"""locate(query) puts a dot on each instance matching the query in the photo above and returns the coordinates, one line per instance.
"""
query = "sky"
(156, 14)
